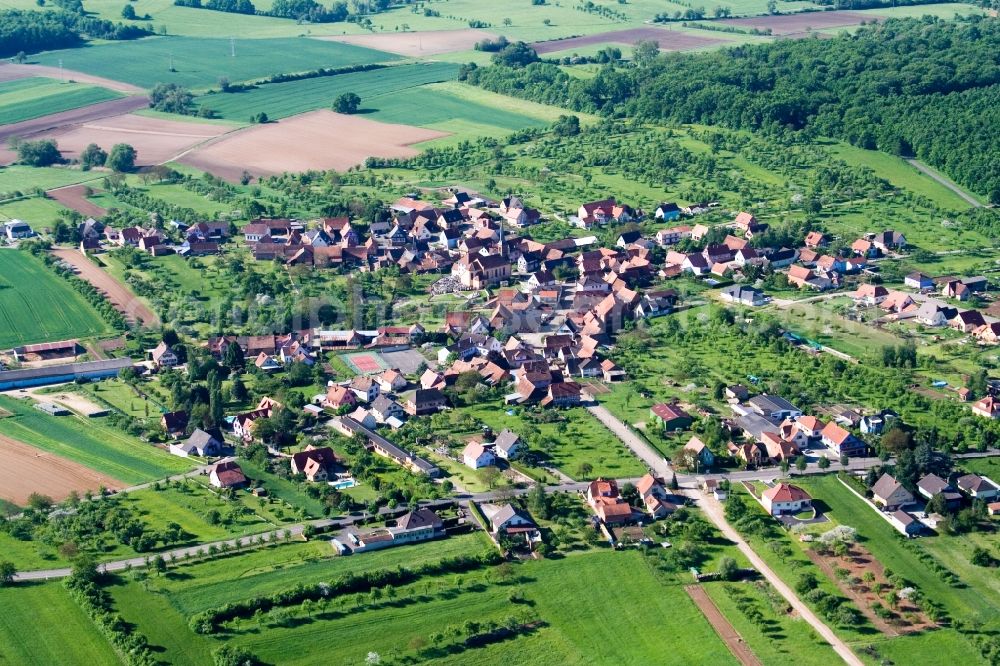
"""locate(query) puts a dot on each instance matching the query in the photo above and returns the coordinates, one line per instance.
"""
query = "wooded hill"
(925, 87)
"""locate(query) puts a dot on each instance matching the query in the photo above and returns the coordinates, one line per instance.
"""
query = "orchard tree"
(121, 158)
(93, 156)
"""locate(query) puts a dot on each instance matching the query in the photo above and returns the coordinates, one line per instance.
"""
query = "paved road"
(947, 183)
(644, 451)
(713, 510)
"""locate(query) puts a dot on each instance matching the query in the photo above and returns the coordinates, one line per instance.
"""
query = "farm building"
(670, 417)
(46, 351)
(62, 374)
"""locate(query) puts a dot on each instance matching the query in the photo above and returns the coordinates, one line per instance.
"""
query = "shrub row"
(211, 620)
(130, 645)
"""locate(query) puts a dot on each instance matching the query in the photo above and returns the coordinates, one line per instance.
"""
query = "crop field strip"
(38, 306)
(26, 99)
(90, 442)
(199, 63)
(280, 100)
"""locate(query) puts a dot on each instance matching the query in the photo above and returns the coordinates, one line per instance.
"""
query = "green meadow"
(27, 291)
(279, 100)
(41, 624)
(199, 63)
(593, 607)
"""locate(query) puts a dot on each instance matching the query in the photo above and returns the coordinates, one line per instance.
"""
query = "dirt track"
(57, 121)
(722, 626)
(72, 197)
(120, 297)
(25, 470)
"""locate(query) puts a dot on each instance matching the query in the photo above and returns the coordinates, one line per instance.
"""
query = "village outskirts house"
(514, 524)
(700, 451)
(413, 527)
(200, 443)
(978, 487)
(315, 463)
(785, 498)
(164, 356)
(889, 494)
(477, 455)
(227, 475)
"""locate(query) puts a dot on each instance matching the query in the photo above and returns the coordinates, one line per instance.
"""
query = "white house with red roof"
(988, 407)
(785, 498)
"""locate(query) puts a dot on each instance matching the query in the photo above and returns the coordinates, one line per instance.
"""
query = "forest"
(29, 31)
(893, 86)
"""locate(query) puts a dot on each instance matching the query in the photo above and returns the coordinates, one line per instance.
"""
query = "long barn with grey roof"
(60, 374)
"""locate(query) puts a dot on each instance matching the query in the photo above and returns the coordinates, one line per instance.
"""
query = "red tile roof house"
(603, 497)
(563, 394)
(600, 212)
(227, 475)
(815, 239)
(988, 407)
(784, 498)
(841, 441)
(870, 294)
(315, 463)
(339, 396)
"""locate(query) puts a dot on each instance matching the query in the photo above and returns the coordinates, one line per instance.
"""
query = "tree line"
(890, 86)
(300, 10)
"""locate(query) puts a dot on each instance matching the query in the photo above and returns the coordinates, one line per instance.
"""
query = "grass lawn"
(665, 628)
(200, 586)
(198, 63)
(818, 321)
(40, 212)
(27, 291)
(91, 442)
(898, 172)
(579, 439)
(375, 87)
(24, 99)
(69, 636)
(287, 491)
(121, 396)
(29, 555)
(188, 505)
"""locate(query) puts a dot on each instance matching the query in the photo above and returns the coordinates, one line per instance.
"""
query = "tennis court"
(365, 363)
